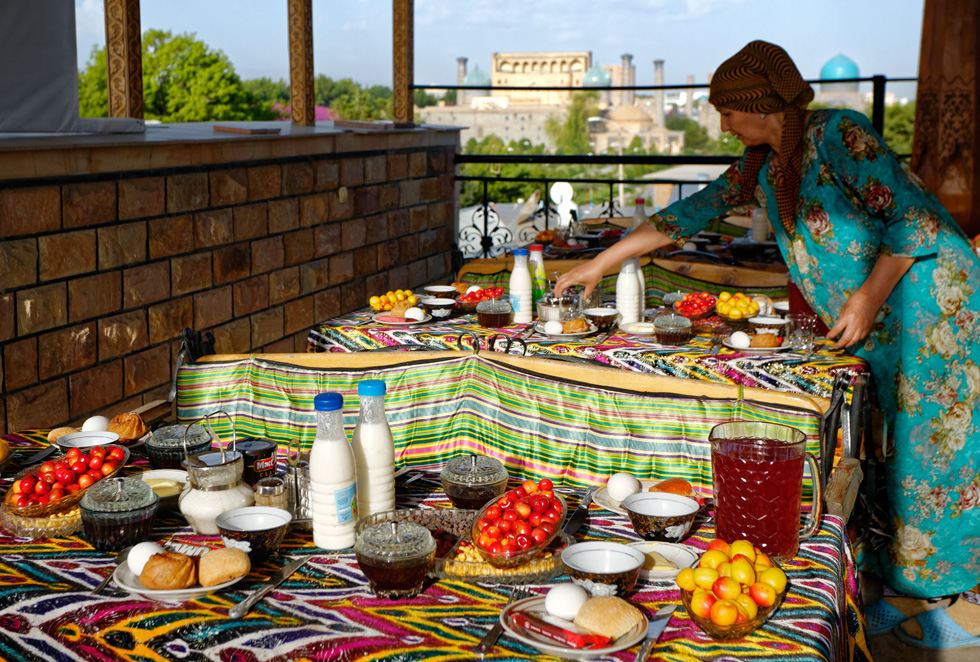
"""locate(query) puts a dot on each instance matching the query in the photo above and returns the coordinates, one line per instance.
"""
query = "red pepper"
(561, 635)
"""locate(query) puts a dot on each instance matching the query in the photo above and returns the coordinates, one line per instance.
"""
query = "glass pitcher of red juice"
(757, 472)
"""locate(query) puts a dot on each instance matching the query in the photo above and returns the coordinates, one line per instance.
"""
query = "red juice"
(758, 485)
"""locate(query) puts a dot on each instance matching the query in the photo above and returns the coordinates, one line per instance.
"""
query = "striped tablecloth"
(326, 612)
(782, 371)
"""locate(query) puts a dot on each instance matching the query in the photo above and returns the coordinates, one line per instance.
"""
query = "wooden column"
(403, 49)
(946, 143)
(302, 99)
(124, 58)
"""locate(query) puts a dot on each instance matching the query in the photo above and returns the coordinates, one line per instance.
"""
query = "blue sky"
(353, 37)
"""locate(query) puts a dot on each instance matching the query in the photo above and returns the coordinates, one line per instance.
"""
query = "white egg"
(96, 424)
(621, 485)
(414, 314)
(564, 600)
(140, 554)
(740, 339)
(553, 328)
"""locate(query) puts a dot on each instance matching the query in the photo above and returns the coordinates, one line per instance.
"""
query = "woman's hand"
(855, 321)
(588, 274)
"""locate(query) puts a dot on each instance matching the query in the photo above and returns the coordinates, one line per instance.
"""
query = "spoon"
(120, 557)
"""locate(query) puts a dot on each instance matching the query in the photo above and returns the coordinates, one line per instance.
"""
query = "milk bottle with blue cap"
(333, 476)
(374, 451)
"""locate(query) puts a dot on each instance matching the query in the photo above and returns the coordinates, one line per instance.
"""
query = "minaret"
(658, 104)
(626, 96)
(460, 77)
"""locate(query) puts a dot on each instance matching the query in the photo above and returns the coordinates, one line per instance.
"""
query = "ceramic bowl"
(162, 481)
(603, 318)
(660, 515)
(84, 440)
(256, 530)
(774, 325)
(440, 291)
(602, 567)
(780, 308)
(438, 307)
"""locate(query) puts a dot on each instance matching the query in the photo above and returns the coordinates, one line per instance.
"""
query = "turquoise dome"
(596, 76)
(477, 78)
(838, 67)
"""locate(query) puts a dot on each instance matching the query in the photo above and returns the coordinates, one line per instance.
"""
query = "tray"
(50, 526)
(537, 570)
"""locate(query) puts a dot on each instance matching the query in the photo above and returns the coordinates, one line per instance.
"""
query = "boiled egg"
(140, 554)
(564, 601)
(96, 424)
(553, 328)
(414, 314)
(740, 339)
(621, 485)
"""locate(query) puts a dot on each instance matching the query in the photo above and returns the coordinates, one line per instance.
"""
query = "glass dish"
(395, 556)
(469, 566)
(57, 525)
(471, 480)
(118, 512)
(63, 504)
(517, 557)
(165, 446)
(736, 630)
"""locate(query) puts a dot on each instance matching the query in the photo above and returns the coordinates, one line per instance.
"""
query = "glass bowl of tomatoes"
(516, 526)
(58, 484)
(468, 302)
(695, 305)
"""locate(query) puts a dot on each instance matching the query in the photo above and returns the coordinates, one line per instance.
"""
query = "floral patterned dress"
(858, 202)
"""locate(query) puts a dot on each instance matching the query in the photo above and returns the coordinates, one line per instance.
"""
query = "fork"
(485, 646)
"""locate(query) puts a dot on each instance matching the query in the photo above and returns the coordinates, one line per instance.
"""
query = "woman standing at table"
(893, 276)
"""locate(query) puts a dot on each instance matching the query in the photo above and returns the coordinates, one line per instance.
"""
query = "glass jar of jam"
(118, 512)
(165, 446)
(394, 556)
(471, 480)
(672, 329)
(494, 313)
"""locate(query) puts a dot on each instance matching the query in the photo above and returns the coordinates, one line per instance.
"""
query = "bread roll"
(128, 426)
(675, 486)
(223, 564)
(765, 340)
(608, 616)
(168, 571)
(58, 433)
(4, 450)
(577, 325)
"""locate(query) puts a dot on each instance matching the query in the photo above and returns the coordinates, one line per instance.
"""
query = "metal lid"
(213, 460)
(255, 446)
(116, 495)
(474, 470)
(172, 437)
(271, 486)
(395, 541)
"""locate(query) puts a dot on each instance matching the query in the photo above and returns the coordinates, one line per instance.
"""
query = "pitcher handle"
(816, 509)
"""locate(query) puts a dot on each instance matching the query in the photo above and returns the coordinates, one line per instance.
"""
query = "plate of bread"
(576, 328)
(663, 560)
(759, 343)
(175, 577)
(129, 427)
(607, 616)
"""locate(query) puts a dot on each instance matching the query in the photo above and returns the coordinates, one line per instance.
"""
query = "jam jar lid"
(117, 495)
(493, 306)
(395, 541)
(474, 470)
(172, 436)
(212, 459)
(671, 321)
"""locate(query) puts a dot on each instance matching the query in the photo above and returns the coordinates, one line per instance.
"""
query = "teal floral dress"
(858, 202)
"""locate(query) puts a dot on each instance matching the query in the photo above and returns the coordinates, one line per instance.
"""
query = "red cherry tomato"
(548, 527)
(534, 519)
(108, 468)
(493, 512)
(47, 467)
(116, 453)
(545, 484)
(538, 534)
(523, 542)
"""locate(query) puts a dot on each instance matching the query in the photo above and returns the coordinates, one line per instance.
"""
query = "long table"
(780, 371)
(326, 611)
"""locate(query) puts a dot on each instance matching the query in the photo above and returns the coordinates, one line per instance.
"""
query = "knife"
(37, 457)
(242, 607)
(578, 517)
(654, 630)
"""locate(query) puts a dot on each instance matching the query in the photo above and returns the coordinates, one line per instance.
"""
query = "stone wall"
(102, 267)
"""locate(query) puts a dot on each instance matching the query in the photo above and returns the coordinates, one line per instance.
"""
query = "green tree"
(93, 86)
(326, 90)
(471, 193)
(450, 97)
(423, 99)
(899, 127)
(695, 135)
(266, 89)
(571, 135)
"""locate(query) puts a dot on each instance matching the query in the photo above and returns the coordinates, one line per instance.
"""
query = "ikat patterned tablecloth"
(325, 611)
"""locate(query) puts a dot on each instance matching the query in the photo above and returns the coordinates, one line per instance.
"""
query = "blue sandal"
(882, 617)
(939, 632)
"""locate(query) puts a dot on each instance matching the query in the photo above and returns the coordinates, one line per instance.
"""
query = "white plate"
(407, 322)
(638, 328)
(550, 647)
(682, 556)
(539, 328)
(130, 582)
(86, 439)
(602, 498)
(756, 350)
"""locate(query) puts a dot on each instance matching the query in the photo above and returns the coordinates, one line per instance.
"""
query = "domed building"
(597, 78)
(843, 94)
(475, 78)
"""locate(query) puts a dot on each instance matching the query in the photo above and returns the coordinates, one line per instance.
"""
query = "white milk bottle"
(639, 214)
(521, 288)
(374, 451)
(333, 476)
(642, 282)
(627, 293)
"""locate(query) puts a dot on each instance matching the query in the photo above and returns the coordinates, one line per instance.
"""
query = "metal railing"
(486, 235)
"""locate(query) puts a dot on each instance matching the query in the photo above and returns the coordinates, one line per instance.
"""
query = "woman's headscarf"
(761, 78)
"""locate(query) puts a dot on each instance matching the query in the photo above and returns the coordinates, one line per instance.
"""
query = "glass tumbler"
(800, 331)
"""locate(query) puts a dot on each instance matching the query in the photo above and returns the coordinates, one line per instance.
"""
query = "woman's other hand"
(588, 274)
(855, 321)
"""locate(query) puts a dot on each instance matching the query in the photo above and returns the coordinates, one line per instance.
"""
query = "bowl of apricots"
(734, 589)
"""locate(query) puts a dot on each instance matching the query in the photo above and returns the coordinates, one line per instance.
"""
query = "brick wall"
(100, 272)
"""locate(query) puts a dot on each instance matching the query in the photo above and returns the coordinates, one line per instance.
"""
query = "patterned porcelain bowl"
(660, 515)
(439, 308)
(256, 530)
(602, 567)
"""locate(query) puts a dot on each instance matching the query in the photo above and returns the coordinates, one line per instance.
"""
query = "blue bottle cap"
(330, 401)
(520, 251)
(371, 387)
